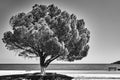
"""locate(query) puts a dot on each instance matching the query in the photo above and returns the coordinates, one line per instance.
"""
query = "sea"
(77, 71)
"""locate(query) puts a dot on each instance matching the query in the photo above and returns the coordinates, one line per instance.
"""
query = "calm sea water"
(57, 66)
(78, 71)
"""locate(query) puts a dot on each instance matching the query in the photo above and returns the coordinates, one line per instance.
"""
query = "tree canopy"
(48, 33)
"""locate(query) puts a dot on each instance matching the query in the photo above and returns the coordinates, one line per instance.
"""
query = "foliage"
(48, 33)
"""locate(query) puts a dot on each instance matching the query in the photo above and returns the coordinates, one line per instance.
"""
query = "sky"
(102, 18)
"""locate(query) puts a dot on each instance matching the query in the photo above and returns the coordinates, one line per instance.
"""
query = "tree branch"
(32, 47)
(28, 50)
(50, 60)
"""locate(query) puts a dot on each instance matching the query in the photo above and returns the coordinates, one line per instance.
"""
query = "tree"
(48, 33)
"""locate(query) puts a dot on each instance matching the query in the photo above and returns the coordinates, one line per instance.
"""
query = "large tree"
(48, 33)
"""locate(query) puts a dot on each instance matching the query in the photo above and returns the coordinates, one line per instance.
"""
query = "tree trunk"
(42, 65)
(43, 70)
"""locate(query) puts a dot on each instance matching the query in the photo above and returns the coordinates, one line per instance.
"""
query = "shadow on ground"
(36, 76)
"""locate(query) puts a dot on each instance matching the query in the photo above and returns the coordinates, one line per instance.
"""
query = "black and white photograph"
(59, 40)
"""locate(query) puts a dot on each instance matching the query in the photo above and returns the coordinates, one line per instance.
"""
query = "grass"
(62, 75)
(51, 76)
